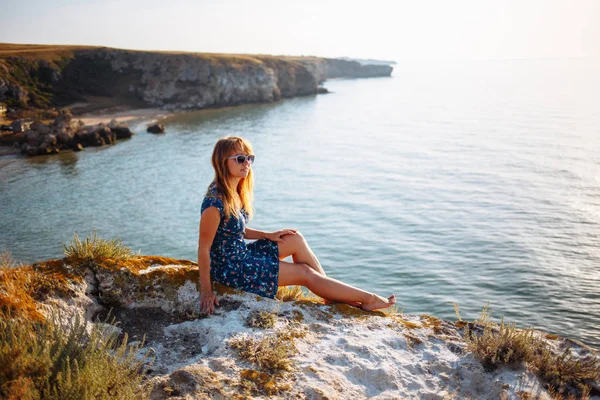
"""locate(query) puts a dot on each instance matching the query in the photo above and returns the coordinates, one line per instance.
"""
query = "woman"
(223, 255)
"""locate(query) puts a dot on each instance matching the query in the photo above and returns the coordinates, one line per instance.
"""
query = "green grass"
(94, 249)
(50, 361)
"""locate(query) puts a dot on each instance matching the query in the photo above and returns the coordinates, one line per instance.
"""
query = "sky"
(382, 29)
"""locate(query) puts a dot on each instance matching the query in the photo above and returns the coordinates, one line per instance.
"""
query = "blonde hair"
(222, 183)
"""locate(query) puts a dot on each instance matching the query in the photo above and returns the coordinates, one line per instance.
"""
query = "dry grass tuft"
(434, 323)
(294, 331)
(457, 311)
(45, 360)
(22, 286)
(581, 394)
(563, 371)
(498, 344)
(7, 261)
(565, 375)
(94, 249)
(393, 310)
(310, 296)
(501, 344)
(290, 293)
(261, 319)
(271, 353)
(398, 319)
(297, 293)
(15, 298)
(261, 383)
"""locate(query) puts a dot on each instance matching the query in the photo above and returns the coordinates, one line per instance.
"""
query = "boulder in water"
(156, 128)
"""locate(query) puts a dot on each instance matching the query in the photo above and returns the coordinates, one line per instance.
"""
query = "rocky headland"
(290, 347)
(37, 82)
(56, 76)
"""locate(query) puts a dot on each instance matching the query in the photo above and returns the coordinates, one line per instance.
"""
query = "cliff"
(329, 68)
(55, 76)
(290, 347)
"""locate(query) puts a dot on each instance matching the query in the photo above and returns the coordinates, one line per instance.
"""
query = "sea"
(467, 183)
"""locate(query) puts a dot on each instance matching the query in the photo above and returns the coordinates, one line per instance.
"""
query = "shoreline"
(95, 118)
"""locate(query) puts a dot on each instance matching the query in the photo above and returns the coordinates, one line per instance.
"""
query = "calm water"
(461, 182)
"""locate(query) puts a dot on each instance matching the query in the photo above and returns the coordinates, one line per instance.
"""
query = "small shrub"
(562, 371)
(95, 249)
(564, 374)
(272, 353)
(261, 319)
(49, 361)
(501, 344)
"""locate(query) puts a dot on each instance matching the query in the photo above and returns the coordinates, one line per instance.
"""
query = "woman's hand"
(208, 301)
(277, 235)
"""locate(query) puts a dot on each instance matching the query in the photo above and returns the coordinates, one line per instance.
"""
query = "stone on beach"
(66, 133)
(20, 125)
(156, 128)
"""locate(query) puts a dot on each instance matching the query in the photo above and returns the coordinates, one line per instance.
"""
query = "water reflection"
(243, 115)
(65, 160)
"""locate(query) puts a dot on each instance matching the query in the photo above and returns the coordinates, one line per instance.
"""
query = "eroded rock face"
(194, 81)
(169, 80)
(336, 351)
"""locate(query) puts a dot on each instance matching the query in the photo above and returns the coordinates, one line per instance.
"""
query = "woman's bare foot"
(379, 302)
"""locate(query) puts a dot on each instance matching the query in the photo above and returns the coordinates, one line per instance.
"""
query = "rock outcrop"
(329, 68)
(156, 128)
(326, 351)
(63, 133)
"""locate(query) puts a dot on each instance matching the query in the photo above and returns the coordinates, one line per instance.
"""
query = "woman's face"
(236, 169)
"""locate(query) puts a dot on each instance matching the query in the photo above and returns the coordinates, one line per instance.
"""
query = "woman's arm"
(209, 222)
(253, 234)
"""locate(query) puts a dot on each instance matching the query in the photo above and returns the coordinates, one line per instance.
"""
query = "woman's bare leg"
(328, 288)
(296, 246)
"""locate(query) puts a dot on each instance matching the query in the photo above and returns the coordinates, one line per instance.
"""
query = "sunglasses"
(241, 159)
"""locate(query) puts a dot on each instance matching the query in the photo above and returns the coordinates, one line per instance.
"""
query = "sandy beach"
(96, 118)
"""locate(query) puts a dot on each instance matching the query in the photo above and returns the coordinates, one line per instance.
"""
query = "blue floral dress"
(250, 267)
